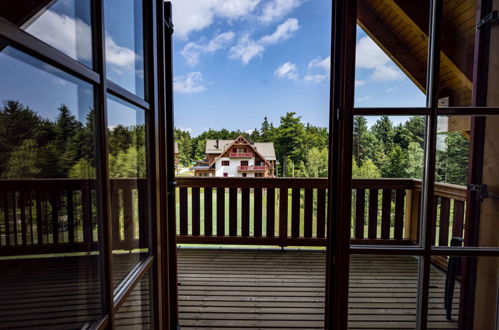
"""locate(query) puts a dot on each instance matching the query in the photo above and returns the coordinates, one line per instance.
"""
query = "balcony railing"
(241, 155)
(252, 168)
(50, 216)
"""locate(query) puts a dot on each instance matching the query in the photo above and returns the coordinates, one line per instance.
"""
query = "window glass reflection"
(127, 170)
(48, 228)
(125, 44)
(63, 24)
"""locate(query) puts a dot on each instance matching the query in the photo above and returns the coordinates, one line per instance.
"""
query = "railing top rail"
(58, 183)
(448, 190)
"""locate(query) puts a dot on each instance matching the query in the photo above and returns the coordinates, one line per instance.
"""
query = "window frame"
(341, 112)
(157, 34)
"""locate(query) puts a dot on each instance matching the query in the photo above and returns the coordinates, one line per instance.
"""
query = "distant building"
(237, 158)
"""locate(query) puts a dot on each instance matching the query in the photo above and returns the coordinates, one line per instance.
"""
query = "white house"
(237, 158)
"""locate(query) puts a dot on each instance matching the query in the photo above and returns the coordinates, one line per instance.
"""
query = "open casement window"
(431, 239)
(81, 168)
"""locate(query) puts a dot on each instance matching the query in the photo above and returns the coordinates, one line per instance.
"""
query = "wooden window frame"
(342, 111)
(158, 110)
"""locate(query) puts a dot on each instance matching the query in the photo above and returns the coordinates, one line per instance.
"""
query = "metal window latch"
(488, 19)
(482, 191)
(172, 186)
(169, 25)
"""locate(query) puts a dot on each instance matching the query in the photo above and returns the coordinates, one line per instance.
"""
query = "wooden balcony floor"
(223, 289)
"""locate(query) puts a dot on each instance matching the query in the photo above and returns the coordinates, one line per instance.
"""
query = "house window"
(258, 175)
(226, 174)
(244, 163)
(225, 163)
(245, 175)
(234, 149)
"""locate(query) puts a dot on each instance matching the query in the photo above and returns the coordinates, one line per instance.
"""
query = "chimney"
(216, 145)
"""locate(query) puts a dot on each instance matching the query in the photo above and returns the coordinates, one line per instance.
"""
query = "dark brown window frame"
(156, 38)
(342, 111)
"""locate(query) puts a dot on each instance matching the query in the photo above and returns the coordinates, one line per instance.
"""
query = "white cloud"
(245, 49)
(320, 63)
(188, 83)
(359, 83)
(391, 90)
(362, 99)
(287, 70)
(315, 78)
(386, 73)
(277, 9)
(186, 129)
(61, 32)
(370, 56)
(189, 16)
(192, 50)
(283, 32)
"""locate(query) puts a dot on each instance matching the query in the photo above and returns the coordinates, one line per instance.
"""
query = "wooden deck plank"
(223, 289)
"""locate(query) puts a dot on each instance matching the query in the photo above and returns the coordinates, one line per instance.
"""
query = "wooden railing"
(241, 155)
(252, 168)
(59, 215)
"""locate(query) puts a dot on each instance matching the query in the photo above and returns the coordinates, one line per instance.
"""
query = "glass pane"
(49, 265)
(63, 24)
(383, 292)
(457, 53)
(387, 171)
(464, 291)
(127, 171)
(135, 313)
(125, 44)
(453, 163)
(391, 53)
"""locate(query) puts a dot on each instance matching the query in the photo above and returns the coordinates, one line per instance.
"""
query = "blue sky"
(237, 61)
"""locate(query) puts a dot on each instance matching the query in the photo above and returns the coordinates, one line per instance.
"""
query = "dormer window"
(225, 162)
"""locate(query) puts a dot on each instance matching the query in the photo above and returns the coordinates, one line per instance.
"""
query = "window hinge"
(488, 19)
(482, 191)
(169, 25)
(172, 186)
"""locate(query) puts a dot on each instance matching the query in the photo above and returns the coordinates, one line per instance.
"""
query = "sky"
(238, 61)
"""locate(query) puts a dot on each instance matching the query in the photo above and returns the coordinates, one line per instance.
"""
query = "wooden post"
(412, 206)
(487, 276)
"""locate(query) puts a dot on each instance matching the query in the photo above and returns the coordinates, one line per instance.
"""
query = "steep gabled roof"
(266, 149)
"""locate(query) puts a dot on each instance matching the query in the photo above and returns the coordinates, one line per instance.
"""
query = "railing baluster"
(271, 212)
(195, 209)
(386, 206)
(115, 211)
(434, 221)
(457, 223)
(283, 215)
(245, 201)
(257, 212)
(360, 205)
(22, 206)
(373, 214)
(443, 237)
(128, 216)
(143, 218)
(6, 217)
(39, 218)
(232, 212)
(208, 211)
(14, 217)
(295, 212)
(54, 202)
(308, 212)
(399, 213)
(71, 219)
(220, 211)
(183, 211)
(321, 213)
(86, 204)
